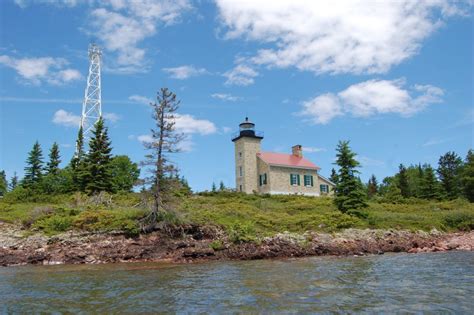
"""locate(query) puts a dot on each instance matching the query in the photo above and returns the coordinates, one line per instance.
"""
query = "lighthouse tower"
(247, 145)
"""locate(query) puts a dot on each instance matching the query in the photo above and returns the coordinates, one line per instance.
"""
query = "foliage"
(460, 220)
(403, 181)
(241, 232)
(52, 167)
(372, 187)
(429, 186)
(213, 188)
(349, 194)
(3, 183)
(34, 167)
(216, 245)
(467, 176)
(221, 186)
(60, 182)
(124, 172)
(449, 168)
(333, 177)
(13, 182)
(99, 176)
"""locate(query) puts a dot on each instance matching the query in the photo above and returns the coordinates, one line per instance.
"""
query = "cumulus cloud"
(313, 149)
(371, 98)
(335, 37)
(241, 74)
(184, 72)
(64, 118)
(367, 161)
(225, 97)
(112, 117)
(187, 124)
(42, 69)
(140, 99)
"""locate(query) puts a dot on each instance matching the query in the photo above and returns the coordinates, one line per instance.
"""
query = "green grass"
(244, 217)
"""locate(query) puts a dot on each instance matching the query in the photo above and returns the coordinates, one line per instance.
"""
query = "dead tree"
(165, 141)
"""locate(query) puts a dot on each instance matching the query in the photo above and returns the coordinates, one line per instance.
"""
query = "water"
(440, 282)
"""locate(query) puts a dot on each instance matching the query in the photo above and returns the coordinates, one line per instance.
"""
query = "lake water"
(440, 282)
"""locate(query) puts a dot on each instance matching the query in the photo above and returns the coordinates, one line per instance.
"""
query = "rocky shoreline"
(201, 243)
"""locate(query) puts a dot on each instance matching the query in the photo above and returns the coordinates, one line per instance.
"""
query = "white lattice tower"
(92, 106)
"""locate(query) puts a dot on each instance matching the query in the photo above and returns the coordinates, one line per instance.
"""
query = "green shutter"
(298, 178)
(265, 178)
(291, 179)
(311, 177)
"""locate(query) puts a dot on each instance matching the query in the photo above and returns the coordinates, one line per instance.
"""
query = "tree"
(98, 176)
(165, 141)
(333, 177)
(372, 186)
(393, 194)
(125, 173)
(403, 181)
(214, 188)
(429, 185)
(78, 167)
(52, 167)
(467, 176)
(34, 166)
(221, 186)
(349, 193)
(3, 183)
(449, 169)
(13, 181)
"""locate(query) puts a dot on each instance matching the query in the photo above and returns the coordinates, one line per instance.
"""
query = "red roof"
(286, 160)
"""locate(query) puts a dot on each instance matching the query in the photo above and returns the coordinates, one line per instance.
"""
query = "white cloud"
(241, 74)
(337, 36)
(432, 142)
(367, 161)
(140, 99)
(184, 72)
(226, 97)
(145, 138)
(112, 117)
(313, 149)
(61, 117)
(185, 145)
(187, 124)
(226, 129)
(121, 26)
(370, 98)
(43, 69)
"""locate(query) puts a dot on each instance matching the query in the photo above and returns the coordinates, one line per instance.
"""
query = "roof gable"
(286, 160)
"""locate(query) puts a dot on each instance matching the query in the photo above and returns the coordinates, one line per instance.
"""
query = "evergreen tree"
(214, 188)
(13, 181)
(52, 167)
(78, 166)
(221, 186)
(403, 181)
(99, 176)
(393, 194)
(449, 169)
(429, 185)
(34, 166)
(333, 177)
(467, 176)
(3, 183)
(349, 193)
(125, 173)
(372, 186)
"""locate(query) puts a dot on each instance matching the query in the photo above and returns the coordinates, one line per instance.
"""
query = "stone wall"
(248, 147)
(280, 181)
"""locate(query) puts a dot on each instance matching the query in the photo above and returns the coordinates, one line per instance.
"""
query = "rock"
(198, 252)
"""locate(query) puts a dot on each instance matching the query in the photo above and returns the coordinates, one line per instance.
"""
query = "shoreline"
(208, 243)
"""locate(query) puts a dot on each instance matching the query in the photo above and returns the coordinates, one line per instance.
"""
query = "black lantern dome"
(247, 129)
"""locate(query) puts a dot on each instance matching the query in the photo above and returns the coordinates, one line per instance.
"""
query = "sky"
(393, 77)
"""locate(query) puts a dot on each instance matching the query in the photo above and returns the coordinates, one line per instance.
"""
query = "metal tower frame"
(92, 106)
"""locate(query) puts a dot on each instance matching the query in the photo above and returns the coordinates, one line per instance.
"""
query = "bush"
(216, 245)
(54, 224)
(460, 221)
(242, 233)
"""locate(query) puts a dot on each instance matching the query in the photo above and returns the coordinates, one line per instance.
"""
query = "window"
(240, 187)
(262, 179)
(240, 171)
(240, 155)
(308, 180)
(324, 188)
(295, 179)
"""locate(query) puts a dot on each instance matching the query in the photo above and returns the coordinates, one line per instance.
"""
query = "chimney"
(297, 150)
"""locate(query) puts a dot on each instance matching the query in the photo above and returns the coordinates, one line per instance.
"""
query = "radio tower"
(92, 106)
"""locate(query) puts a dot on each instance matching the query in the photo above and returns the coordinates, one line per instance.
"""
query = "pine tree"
(214, 188)
(403, 181)
(372, 186)
(221, 186)
(449, 169)
(97, 162)
(78, 164)
(13, 181)
(3, 183)
(349, 191)
(430, 188)
(333, 177)
(467, 176)
(34, 167)
(52, 167)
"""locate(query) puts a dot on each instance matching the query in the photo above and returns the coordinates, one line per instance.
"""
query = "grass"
(244, 217)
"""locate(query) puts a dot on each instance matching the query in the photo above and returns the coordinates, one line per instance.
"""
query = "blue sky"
(396, 79)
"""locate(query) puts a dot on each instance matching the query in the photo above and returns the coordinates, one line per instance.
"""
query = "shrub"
(460, 220)
(54, 224)
(242, 233)
(216, 245)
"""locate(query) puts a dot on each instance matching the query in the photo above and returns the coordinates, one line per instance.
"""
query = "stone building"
(274, 173)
